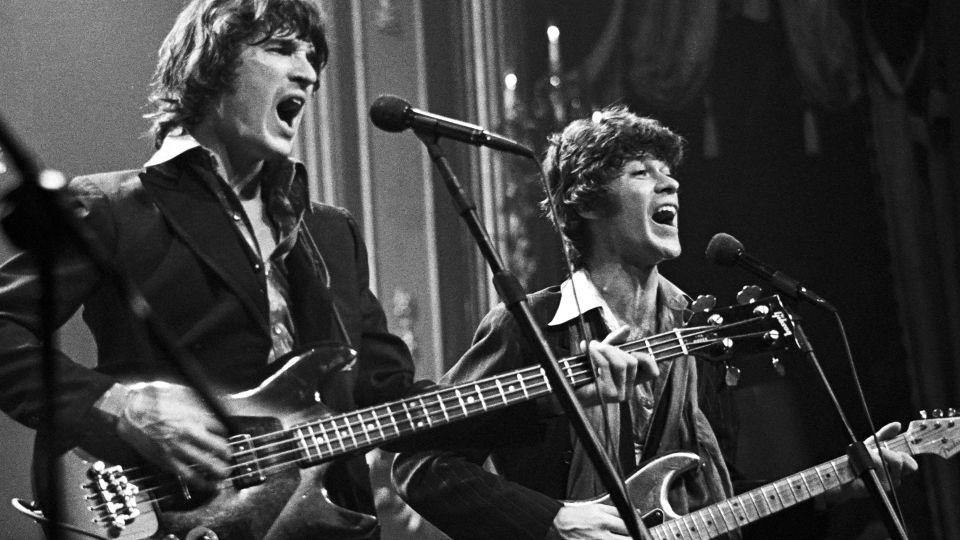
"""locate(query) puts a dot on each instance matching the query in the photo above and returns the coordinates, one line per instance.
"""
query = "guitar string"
(805, 477)
(664, 338)
(637, 345)
(579, 376)
(424, 414)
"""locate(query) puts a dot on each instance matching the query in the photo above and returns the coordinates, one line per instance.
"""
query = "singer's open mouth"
(289, 108)
(664, 215)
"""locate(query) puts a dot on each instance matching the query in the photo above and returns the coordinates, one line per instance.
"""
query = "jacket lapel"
(195, 215)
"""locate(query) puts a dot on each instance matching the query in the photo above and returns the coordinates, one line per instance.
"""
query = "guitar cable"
(32, 511)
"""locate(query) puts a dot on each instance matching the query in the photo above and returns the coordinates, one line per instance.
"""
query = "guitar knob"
(703, 303)
(778, 366)
(749, 294)
(201, 533)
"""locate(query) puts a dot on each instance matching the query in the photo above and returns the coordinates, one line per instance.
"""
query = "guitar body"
(648, 486)
(289, 503)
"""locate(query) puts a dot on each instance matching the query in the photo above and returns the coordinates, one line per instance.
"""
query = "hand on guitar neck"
(897, 463)
(168, 425)
(619, 371)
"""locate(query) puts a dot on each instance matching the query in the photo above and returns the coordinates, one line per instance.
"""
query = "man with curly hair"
(611, 180)
(218, 231)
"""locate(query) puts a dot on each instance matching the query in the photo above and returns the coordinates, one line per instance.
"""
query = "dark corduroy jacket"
(530, 444)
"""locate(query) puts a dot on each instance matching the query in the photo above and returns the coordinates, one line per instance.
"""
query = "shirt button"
(235, 216)
(257, 267)
(277, 330)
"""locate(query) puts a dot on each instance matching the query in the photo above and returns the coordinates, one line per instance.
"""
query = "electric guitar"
(290, 437)
(648, 486)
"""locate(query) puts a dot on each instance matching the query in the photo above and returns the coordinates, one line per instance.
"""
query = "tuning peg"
(778, 366)
(937, 413)
(749, 294)
(732, 375)
(703, 303)
(923, 414)
(951, 411)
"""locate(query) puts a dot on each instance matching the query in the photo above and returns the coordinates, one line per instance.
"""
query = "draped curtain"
(915, 156)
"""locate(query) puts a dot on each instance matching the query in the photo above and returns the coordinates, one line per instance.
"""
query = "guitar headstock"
(761, 326)
(939, 434)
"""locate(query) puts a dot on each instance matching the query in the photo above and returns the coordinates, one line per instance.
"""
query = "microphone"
(726, 250)
(391, 113)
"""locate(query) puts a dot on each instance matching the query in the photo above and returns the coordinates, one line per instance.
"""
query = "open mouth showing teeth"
(289, 108)
(664, 215)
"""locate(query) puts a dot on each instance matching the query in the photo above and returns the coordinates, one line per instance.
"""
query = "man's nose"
(302, 71)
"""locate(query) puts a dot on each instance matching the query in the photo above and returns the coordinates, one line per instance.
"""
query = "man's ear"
(588, 211)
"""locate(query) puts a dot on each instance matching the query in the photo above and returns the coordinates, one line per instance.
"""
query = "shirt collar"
(172, 147)
(292, 173)
(589, 298)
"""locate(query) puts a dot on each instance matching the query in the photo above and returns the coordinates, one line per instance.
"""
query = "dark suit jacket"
(168, 231)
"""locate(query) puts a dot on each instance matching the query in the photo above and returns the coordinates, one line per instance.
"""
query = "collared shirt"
(282, 214)
(583, 481)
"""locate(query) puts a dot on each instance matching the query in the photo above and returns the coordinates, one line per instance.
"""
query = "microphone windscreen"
(724, 249)
(389, 113)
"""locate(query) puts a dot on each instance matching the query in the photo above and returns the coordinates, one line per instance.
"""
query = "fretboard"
(334, 436)
(750, 506)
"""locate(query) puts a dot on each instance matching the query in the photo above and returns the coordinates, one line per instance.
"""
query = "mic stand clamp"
(515, 299)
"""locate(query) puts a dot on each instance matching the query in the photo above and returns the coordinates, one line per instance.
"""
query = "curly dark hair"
(199, 57)
(588, 154)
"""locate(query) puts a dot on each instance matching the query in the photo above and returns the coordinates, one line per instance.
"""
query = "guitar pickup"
(246, 465)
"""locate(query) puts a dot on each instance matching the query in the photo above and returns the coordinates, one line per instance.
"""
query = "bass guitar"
(290, 437)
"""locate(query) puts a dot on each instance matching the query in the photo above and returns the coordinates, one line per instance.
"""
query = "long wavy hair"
(199, 57)
(587, 155)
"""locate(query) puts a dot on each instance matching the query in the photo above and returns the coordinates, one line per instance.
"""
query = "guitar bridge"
(115, 495)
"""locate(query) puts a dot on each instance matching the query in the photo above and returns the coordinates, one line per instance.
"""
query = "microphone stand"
(860, 459)
(44, 222)
(513, 296)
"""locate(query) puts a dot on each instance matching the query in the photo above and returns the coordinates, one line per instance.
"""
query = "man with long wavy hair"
(218, 230)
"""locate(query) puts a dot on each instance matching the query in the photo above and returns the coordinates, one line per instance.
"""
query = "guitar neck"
(731, 514)
(334, 436)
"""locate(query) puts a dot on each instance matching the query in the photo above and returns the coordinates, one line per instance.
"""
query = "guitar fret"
(336, 430)
(649, 348)
(753, 500)
(393, 421)
(406, 409)
(463, 405)
(443, 407)
(483, 403)
(376, 418)
(806, 485)
(683, 345)
(353, 437)
(523, 385)
(724, 514)
(714, 521)
(426, 412)
(500, 390)
(363, 425)
(303, 442)
(699, 530)
(771, 500)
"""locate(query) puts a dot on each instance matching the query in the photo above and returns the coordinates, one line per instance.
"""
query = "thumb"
(617, 336)
(888, 431)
